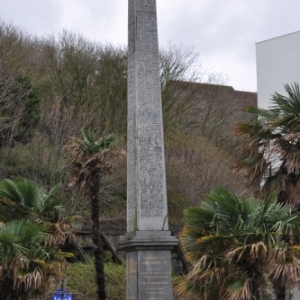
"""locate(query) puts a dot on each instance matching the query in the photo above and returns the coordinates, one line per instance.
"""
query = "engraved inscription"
(147, 37)
(146, 170)
(155, 275)
(152, 205)
(147, 5)
(146, 23)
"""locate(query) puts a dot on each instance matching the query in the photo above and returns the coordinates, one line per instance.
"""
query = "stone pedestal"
(148, 265)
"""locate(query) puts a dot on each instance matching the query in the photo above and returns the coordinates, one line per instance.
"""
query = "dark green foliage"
(20, 107)
(237, 245)
(19, 97)
(90, 145)
(23, 199)
(31, 231)
(28, 261)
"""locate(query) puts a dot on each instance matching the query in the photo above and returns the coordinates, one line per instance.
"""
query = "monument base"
(148, 265)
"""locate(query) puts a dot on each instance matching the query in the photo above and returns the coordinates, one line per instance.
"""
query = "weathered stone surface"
(148, 275)
(146, 179)
(148, 265)
(148, 241)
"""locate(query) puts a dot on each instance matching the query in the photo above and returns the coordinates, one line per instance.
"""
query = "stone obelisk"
(148, 241)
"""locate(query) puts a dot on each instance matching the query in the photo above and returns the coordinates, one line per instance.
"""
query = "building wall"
(277, 63)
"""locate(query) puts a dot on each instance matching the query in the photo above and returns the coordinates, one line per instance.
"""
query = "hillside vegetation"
(52, 87)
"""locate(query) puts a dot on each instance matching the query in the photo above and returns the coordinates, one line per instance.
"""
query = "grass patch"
(81, 280)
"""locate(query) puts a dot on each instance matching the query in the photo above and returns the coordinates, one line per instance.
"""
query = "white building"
(277, 64)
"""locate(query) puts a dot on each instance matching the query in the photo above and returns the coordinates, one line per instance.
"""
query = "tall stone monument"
(148, 241)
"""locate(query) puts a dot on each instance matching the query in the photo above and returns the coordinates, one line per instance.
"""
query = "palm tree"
(88, 164)
(272, 146)
(31, 230)
(24, 199)
(27, 263)
(237, 245)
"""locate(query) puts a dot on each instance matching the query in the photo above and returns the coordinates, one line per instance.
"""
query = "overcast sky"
(223, 32)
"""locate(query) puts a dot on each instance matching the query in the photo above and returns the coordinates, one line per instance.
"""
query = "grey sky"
(223, 32)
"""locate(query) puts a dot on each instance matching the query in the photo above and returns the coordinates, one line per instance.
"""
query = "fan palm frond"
(237, 243)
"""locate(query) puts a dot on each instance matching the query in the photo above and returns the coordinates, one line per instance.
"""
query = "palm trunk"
(279, 292)
(7, 290)
(24, 295)
(255, 290)
(96, 237)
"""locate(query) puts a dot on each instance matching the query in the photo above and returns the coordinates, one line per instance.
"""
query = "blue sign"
(62, 297)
